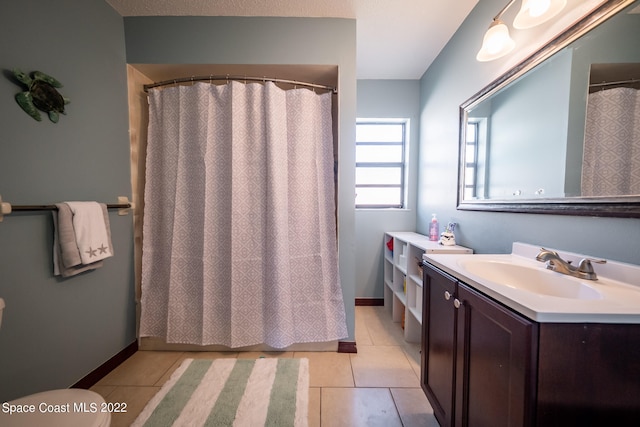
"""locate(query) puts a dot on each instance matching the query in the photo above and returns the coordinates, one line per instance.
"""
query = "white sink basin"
(537, 280)
(520, 282)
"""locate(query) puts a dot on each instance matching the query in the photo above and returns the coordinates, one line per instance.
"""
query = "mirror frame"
(619, 206)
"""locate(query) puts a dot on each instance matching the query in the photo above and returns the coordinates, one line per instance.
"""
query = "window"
(475, 160)
(471, 161)
(381, 163)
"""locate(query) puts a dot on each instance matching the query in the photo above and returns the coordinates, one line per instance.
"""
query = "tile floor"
(378, 386)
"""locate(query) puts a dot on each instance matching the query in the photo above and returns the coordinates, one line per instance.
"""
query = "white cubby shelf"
(403, 277)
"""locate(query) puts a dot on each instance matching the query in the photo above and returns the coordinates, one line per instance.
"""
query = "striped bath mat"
(232, 392)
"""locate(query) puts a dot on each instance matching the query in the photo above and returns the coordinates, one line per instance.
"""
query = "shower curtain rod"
(227, 77)
(619, 82)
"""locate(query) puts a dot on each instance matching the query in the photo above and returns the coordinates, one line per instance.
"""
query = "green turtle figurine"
(41, 94)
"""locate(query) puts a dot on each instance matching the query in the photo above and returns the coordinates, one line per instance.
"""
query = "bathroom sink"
(533, 279)
(527, 287)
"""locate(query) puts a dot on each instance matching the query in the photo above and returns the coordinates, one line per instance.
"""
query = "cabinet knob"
(447, 295)
(457, 303)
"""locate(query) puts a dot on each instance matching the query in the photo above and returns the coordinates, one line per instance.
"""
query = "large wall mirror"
(560, 132)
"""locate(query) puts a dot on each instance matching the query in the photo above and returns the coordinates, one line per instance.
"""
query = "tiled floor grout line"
(320, 407)
(395, 404)
(353, 375)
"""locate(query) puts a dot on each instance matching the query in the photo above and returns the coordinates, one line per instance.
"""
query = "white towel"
(66, 255)
(91, 232)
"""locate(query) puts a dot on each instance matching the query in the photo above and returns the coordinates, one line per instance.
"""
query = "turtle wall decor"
(41, 94)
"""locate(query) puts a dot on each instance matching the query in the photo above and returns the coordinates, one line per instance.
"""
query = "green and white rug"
(232, 392)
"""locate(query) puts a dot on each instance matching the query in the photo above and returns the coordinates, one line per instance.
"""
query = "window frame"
(471, 164)
(402, 165)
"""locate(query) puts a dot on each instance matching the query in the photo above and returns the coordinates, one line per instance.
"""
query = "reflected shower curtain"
(611, 158)
(239, 236)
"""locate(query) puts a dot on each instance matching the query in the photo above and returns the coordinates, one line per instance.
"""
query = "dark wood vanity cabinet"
(494, 363)
(477, 356)
(438, 343)
(485, 365)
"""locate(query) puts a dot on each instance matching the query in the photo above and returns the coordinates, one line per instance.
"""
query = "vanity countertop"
(617, 289)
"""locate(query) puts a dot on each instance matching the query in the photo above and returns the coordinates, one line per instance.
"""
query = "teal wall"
(54, 331)
(520, 146)
(453, 78)
(398, 99)
(304, 41)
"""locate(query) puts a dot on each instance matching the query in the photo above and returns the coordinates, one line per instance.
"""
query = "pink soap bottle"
(434, 229)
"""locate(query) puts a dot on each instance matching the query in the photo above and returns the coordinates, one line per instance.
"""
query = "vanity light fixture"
(535, 12)
(497, 42)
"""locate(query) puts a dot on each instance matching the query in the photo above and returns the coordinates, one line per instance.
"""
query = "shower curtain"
(611, 158)
(239, 235)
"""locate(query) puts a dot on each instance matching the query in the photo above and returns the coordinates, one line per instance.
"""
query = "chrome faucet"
(584, 270)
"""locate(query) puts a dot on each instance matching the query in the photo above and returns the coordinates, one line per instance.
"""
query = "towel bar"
(53, 207)
(6, 208)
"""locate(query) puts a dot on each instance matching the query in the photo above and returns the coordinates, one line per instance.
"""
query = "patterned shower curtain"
(611, 159)
(239, 236)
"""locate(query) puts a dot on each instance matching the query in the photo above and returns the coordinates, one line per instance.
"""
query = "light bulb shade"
(496, 42)
(535, 12)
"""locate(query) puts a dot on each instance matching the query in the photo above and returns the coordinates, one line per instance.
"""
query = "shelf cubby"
(403, 252)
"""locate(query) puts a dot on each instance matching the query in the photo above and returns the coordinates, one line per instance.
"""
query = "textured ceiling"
(396, 39)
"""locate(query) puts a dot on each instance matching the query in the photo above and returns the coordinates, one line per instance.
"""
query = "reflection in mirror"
(611, 158)
(557, 137)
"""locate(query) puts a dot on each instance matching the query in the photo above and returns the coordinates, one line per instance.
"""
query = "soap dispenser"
(434, 229)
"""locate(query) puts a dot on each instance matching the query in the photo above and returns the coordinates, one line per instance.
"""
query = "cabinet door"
(495, 385)
(438, 343)
(589, 375)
